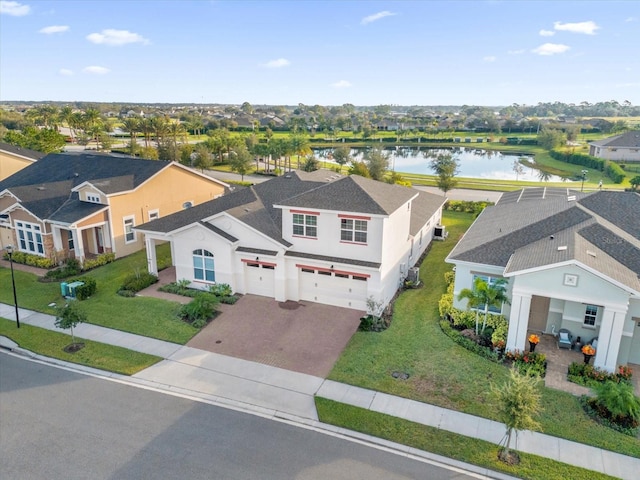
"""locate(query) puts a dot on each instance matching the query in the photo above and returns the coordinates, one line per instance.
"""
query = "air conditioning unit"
(413, 275)
(440, 232)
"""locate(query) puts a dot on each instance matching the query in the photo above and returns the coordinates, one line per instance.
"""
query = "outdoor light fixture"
(9, 250)
(584, 176)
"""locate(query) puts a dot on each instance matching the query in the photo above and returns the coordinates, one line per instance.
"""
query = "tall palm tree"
(66, 116)
(485, 295)
(132, 125)
(146, 128)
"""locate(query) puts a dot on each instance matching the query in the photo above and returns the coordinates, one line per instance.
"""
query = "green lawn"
(146, 316)
(94, 354)
(446, 374)
(452, 445)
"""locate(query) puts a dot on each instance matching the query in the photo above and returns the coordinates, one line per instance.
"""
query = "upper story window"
(93, 198)
(30, 237)
(129, 234)
(352, 230)
(305, 225)
(154, 215)
(590, 315)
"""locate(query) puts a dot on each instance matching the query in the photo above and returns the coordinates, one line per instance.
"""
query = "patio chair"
(565, 339)
(593, 342)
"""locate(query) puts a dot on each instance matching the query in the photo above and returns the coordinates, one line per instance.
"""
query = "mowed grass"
(94, 354)
(146, 316)
(449, 444)
(446, 374)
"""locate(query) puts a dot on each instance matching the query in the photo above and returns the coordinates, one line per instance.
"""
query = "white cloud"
(628, 85)
(116, 38)
(377, 16)
(95, 70)
(341, 84)
(54, 29)
(66, 72)
(489, 58)
(550, 49)
(14, 9)
(587, 28)
(547, 33)
(516, 52)
(631, 19)
(278, 63)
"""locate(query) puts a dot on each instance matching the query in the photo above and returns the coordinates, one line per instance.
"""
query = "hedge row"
(610, 169)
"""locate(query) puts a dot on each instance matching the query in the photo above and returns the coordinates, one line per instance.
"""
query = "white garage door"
(259, 279)
(339, 288)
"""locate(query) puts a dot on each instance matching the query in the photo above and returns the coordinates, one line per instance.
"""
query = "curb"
(279, 416)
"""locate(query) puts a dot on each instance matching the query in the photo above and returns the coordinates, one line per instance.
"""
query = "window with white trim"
(352, 230)
(93, 198)
(203, 265)
(590, 315)
(30, 237)
(305, 225)
(70, 243)
(154, 214)
(129, 234)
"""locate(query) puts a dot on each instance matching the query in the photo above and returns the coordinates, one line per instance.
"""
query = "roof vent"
(571, 198)
(562, 248)
(40, 188)
(591, 254)
(551, 237)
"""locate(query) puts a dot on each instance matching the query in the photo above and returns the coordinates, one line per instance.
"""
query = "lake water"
(474, 163)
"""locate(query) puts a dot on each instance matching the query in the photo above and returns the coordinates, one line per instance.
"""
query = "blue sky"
(329, 52)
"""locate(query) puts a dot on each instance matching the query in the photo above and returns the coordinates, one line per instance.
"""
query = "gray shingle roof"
(629, 139)
(219, 231)
(73, 210)
(422, 209)
(23, 152)
(324, 258)
(620, 208)
(257, 251)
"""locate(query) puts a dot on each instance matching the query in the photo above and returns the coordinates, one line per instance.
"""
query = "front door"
(538, 313)
(100, 239)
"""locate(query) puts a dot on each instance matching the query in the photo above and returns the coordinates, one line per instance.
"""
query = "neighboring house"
(572, 261)
(14, 158)
(79, 205)
(625, 147)
(319, 236)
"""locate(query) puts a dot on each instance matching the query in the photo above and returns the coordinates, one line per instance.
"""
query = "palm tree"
(474, 297)
(132, 125)
(485, 295)
(66, 116)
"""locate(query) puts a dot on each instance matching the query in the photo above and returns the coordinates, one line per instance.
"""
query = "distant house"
(14, 158)
(319, 237)
(572, 261)
(79, 205)
(625, 147)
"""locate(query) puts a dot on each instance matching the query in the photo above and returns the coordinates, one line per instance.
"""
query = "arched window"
(203, 265)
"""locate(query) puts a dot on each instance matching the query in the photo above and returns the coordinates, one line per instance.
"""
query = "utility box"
(68, 290)
(413, 275)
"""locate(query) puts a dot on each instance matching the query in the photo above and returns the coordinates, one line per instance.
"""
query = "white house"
(319, 236)
(572, 261)
(621, 148)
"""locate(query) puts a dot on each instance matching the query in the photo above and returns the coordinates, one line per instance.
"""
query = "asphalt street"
(58, 424)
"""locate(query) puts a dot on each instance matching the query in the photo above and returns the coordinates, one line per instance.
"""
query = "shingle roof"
(529, 233)
(629, 139)
(324, 258)
(422, 209)
(23, 152)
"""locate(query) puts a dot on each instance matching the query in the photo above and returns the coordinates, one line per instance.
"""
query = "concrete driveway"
(304, 337)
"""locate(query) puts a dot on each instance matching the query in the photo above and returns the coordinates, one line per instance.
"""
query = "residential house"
(621, 148)
(78, 205)
(572, 261)
(319, 237)
(14, 158)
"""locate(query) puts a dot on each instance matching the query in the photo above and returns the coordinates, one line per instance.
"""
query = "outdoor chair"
(593, 342)
(565, 339)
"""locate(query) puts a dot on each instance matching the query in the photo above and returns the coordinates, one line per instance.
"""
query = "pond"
(474, 162)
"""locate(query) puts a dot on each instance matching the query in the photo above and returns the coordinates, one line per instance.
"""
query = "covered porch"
(83, 239)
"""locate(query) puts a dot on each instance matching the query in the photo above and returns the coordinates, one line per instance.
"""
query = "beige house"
(69, 205)
(13, 159)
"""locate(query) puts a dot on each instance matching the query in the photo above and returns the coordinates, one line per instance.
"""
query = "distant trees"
(550, 138)
(446, 168)
(377, 162)
(43, 140)
(342, 155)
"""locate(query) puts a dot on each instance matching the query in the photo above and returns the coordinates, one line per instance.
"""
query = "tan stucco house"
(13, 159)
(79, 205)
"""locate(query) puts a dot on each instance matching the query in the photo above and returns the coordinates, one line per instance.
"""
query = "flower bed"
(591, 376)
(528, 363)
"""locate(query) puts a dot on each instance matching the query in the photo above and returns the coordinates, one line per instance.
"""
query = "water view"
(474, 163)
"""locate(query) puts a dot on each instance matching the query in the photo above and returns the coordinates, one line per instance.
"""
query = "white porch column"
(518, 320)
(78, 245)
(609, 338)
(56, 233)
(152, 261)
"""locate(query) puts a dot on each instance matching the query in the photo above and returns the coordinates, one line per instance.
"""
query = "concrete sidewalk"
(271, 391)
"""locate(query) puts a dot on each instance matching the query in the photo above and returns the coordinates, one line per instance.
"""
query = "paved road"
(58, 424)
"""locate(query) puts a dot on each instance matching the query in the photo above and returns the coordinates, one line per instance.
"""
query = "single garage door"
(343, 289)
(260, 278)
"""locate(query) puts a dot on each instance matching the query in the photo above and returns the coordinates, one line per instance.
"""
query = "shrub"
(528, 363)
(466, 206)
(469, 344)
(180, 288)
(85, 291)
(617, 403)
(31, 260)
(138, 281)
(228, 299)
(591, 376)
(220, 290)
(200, 309)
(100, 260)
(69, 269)
(614, 172)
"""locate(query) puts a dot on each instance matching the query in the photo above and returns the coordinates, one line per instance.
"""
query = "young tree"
(446, 168)
(517, 402)
(550, 138)
(342, 155)
(202, 157)
(359, 168)
(635, 182)
(310, 164)
(68, 316)
(474, 298)
(240, 160)
(377, 161)
(485, 294)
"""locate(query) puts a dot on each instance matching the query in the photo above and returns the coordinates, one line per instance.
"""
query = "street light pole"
(13, 282)
(584, 176)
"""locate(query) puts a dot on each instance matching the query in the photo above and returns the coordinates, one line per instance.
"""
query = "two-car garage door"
(343, 289)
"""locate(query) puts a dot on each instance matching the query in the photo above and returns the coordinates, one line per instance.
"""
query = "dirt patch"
(73, 347)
